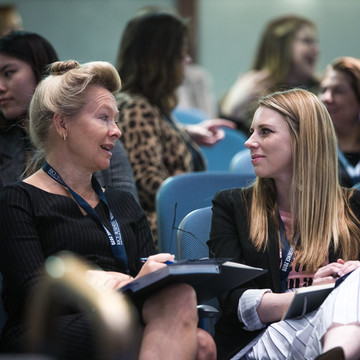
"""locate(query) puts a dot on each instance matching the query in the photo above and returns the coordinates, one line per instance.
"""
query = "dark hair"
(31, 48)
(151, 55)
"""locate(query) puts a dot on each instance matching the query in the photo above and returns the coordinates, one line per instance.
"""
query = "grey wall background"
(229, 30)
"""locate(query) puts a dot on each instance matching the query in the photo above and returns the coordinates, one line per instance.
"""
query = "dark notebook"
(307, 299)
(209, 278)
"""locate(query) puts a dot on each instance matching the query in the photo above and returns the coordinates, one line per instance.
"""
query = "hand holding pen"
(333, 271)
(145, 259)
(155, 262)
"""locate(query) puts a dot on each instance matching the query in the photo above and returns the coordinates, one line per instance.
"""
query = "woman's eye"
(104, 117)
(9, 73)
(338, 91)
(265, 131)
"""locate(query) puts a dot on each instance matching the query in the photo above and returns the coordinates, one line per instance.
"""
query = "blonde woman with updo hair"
(297, 222)
(61, 206)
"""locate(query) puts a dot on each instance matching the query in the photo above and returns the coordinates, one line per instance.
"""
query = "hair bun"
(61, 67)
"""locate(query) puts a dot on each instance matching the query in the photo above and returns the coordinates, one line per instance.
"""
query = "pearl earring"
(64, 137)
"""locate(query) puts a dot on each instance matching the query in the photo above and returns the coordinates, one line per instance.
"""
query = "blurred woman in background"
(340, 93)
(151, 60)
(286, 58)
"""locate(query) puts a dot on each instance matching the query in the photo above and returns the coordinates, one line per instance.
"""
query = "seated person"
(151, 67)
(24, 57)
(62, 207)
(297, 222)
(340, 93)
(286, 58)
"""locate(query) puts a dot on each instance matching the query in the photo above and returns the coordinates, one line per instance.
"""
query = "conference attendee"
(297, 222)
(340, 93)
(286, 58)
(24, 57)
(151, 60)
(61, 206)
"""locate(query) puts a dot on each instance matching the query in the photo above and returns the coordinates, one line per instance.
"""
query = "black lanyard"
(117, 244)
(287, 254)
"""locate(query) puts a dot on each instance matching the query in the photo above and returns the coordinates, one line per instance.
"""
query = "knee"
(206, 349)
(175, 301)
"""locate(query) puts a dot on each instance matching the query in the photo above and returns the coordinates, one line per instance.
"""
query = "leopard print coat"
(156, 147)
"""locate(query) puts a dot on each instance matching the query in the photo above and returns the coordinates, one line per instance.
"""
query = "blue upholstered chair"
(219, 156)
(189, 116)
(178, 195)
(192, 235)
(241, 163)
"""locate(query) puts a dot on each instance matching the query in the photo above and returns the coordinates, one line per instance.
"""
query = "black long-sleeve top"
(230, 238)
(35, 224)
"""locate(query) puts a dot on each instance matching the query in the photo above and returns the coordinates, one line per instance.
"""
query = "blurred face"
(270, 145)
(91, 134)
(339, 98)
(305, 52)
(17, 85)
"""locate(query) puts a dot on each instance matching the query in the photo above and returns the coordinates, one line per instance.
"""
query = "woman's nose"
(251, 142)
(326, 96)
(3, 86)
(115, 131)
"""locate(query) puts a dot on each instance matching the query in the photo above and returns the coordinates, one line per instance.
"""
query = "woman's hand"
(348, 266)
(107, 279)
(329, 273)
(209, 132)
(115, 280)
(155, 262)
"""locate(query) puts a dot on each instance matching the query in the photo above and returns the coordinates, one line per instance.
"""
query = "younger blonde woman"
(298, 223)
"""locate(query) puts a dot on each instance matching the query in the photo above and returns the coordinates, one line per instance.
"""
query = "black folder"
(209, 277)
(307, 299)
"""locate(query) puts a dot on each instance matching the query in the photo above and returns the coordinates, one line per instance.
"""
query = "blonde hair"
(320, 207)
(64, 91)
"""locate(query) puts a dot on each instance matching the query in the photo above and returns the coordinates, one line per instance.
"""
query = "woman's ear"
(60, 125)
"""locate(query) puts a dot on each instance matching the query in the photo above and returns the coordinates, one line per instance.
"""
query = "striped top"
(35, 224)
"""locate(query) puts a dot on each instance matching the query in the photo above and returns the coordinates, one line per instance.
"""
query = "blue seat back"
(193, 233)
(357, 186)
(219, 156)
(178, 195)
(189, 116)
(241, 163)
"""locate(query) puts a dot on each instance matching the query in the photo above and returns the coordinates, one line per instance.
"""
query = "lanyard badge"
(115, 237)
